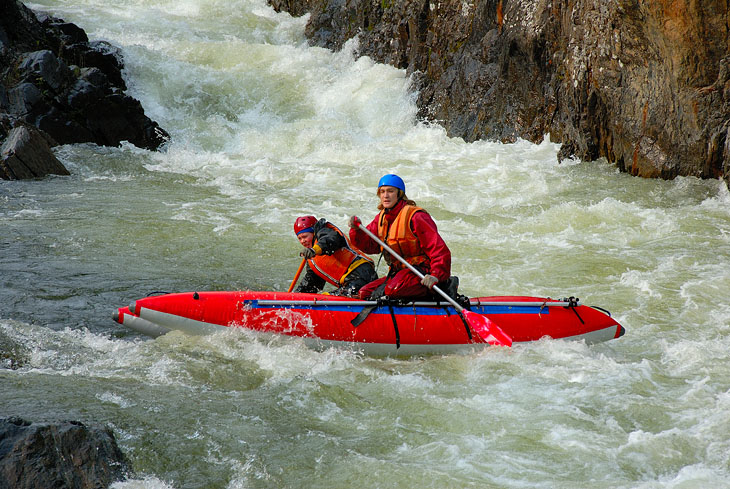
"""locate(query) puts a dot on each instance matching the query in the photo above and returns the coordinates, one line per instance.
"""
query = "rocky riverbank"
(57, 87)
(644, 84)
(59, 454)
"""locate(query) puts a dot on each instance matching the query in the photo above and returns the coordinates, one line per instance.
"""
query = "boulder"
(61, 454)
(53, 78)
(26, 153)
(46, 68)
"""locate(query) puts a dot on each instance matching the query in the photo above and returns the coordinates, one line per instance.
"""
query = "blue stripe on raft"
(511, 310)
(410, 310)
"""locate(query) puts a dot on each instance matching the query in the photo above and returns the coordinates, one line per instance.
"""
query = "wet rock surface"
(26, 153)
(59, 454)
(56, 80)
(644, 84)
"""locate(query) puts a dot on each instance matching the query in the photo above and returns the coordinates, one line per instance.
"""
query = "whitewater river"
(264, 129)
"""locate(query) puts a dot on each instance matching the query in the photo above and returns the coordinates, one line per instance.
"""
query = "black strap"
(463, 320)
(608, 313)
(572, 304)
(362, 316)
(466, 325)
(576, 313)
(395, 326)
(366, 310)
(158, 292)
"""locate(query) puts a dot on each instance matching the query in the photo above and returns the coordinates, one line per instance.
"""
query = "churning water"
(265, 128)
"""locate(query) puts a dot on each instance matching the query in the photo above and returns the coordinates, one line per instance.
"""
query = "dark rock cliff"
(644, 84)
(54, 80)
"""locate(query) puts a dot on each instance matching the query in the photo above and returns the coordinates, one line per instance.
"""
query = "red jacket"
(428, 236)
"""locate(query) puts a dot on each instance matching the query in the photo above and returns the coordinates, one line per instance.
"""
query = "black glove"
(308, 253)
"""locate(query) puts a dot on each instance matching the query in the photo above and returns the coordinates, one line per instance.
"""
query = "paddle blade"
(486, 329)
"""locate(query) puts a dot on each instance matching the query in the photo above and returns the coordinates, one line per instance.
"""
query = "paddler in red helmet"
(411, 232)
(331, 259)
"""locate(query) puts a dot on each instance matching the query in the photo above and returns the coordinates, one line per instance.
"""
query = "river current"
(264, 129)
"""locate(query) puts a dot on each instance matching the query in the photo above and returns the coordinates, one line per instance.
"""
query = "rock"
(645, 85)
(53, 78)
(13, 354)
(72, 34)
(63, 454)
(46, 68)
(26, 154)
(22, 99)
(102, 56)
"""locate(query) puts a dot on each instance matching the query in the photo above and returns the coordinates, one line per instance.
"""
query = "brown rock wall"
(644, 84)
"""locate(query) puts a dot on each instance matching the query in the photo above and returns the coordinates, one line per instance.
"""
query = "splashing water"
(264, 129)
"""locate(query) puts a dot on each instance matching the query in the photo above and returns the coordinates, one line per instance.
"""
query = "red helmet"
(304, 224)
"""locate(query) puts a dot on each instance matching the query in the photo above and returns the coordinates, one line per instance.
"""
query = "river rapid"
(264, 129)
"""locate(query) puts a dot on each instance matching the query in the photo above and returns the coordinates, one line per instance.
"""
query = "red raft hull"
(324, 321)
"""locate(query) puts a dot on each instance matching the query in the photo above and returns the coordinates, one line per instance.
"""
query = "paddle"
(485, 329)
(296, 277)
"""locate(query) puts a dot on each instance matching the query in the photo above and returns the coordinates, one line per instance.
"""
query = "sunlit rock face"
(644, 84)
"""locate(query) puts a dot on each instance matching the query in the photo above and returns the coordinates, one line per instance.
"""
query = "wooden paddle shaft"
(296, 277)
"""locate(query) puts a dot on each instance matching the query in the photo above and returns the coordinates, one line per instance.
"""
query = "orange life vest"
(336, 267)
(399, 236)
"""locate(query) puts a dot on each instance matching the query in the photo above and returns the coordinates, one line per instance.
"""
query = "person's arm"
(328, 241)
(433, 245)
(362, 241)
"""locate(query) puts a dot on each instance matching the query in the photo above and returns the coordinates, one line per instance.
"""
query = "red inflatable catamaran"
(375, 328)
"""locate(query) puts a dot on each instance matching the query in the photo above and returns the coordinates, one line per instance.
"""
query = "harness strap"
(572, 303)
(466, 325)
(461, 316)
(362, 315)
(395, 326)
(576, 313)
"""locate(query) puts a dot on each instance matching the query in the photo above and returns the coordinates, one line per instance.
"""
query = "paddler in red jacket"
(411, 232)
(331, 259)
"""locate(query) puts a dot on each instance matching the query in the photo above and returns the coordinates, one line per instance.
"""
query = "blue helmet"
(392, 180)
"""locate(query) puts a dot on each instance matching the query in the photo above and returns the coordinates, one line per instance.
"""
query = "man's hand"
(308, 253)
(429, 281)
(355, 222)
